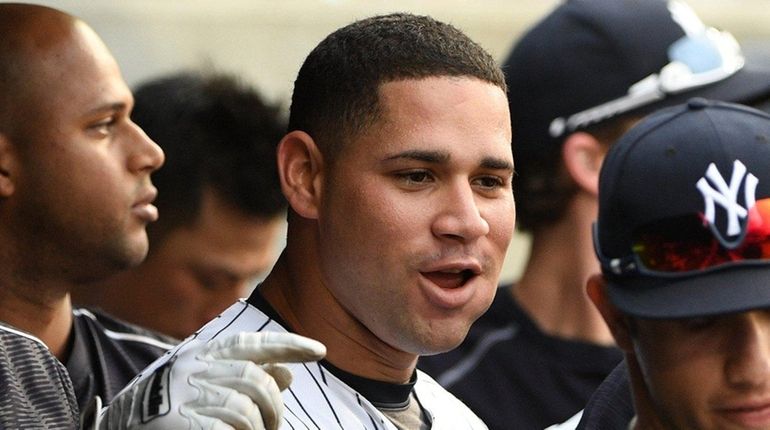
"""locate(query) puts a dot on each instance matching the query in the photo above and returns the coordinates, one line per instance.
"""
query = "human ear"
(300, 168)
(583, 155)
(617, 322)
(7, 166)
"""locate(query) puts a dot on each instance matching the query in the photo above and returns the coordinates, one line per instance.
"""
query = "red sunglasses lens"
(686, 243)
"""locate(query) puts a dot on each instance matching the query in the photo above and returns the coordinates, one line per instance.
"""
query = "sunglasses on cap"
(686, 245)
(697, 59)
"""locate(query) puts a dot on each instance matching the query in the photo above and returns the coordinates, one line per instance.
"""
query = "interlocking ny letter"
(727, 196)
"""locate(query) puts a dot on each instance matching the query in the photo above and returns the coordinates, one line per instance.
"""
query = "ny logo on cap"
(726, 196)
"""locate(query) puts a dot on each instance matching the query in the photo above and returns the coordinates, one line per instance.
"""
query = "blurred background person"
(221, 202)
(577, 81)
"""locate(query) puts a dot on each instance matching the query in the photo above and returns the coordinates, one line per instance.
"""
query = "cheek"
(503, 223)
(372, 217)
(98, 167)
(501, 217)
(181, 290)
(674, 372)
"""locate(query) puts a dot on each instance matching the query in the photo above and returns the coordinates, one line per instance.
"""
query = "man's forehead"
(407, 85)
(415, 105)
(82, 70)
(28, 35)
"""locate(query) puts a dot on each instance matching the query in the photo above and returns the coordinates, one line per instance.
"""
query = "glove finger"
(207, 421)
(232, 406)
(267, 347)
(248, 380)
(281, 374)
(224, 418)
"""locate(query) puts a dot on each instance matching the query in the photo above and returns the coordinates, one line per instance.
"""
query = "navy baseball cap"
(593, 60)
(684, 212)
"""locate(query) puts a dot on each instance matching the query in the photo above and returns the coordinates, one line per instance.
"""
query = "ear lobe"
(583, 155)
(615, 319)
(7, 166)
(300, 167)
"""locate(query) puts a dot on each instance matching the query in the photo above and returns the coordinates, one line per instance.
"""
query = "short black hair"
(336, 93)
(217, 132)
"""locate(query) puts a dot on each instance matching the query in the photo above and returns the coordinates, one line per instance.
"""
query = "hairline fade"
(336, 93)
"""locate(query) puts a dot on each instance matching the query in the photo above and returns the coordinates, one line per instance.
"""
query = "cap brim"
(746, 86)
(734, 289)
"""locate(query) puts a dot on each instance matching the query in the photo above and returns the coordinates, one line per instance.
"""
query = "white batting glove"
(229, 383)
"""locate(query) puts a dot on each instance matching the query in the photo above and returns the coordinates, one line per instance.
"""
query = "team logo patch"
(156, 399)
(731, 230)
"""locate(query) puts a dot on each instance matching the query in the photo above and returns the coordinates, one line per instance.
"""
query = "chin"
(433, 344)
(129, 257)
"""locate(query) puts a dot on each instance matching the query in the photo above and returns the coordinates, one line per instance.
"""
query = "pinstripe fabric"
(35, 389)
(107, 353)
(317, 399)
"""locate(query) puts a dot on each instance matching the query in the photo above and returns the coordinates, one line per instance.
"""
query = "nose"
(748, 365)
(460, 217)
(145, 156)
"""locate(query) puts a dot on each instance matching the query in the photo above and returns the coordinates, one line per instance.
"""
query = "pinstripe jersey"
(106, 353)
(317, 399)
(36, 390)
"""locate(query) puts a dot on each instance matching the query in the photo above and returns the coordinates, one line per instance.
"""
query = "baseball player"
(397, 169)
(577, 81)
(683, 237)
(75, 194)
(75, 197)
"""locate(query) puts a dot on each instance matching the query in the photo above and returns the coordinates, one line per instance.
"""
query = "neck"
(296, 290)
(41, 308)
(552, 286)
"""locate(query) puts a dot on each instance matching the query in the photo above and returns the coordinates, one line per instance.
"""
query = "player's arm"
(229, 383)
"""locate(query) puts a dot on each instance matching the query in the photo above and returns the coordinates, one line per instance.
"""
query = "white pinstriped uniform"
(317, 399)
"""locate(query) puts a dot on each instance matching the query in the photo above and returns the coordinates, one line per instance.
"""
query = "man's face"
(200, 269)
(708, 373)
(417, 212)
(83, 187)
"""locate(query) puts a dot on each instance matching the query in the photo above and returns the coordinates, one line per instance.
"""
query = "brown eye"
(103, 127)
(490, 182)
(415, 177)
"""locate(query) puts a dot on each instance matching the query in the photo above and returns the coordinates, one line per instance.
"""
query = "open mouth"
(449, 278)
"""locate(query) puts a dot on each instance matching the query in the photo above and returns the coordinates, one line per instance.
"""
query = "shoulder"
(446, 410)
(611, 405)
(35, 384)
(106, 328)
(12, 334)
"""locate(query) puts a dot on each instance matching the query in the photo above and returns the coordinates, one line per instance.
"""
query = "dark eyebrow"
(426, 156)
(108, 107)
(496, 164)
(442, 157)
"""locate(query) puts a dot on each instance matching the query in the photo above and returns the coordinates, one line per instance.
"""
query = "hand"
(229, 383)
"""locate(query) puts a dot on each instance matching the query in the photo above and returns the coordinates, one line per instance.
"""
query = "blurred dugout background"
(265, 41)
